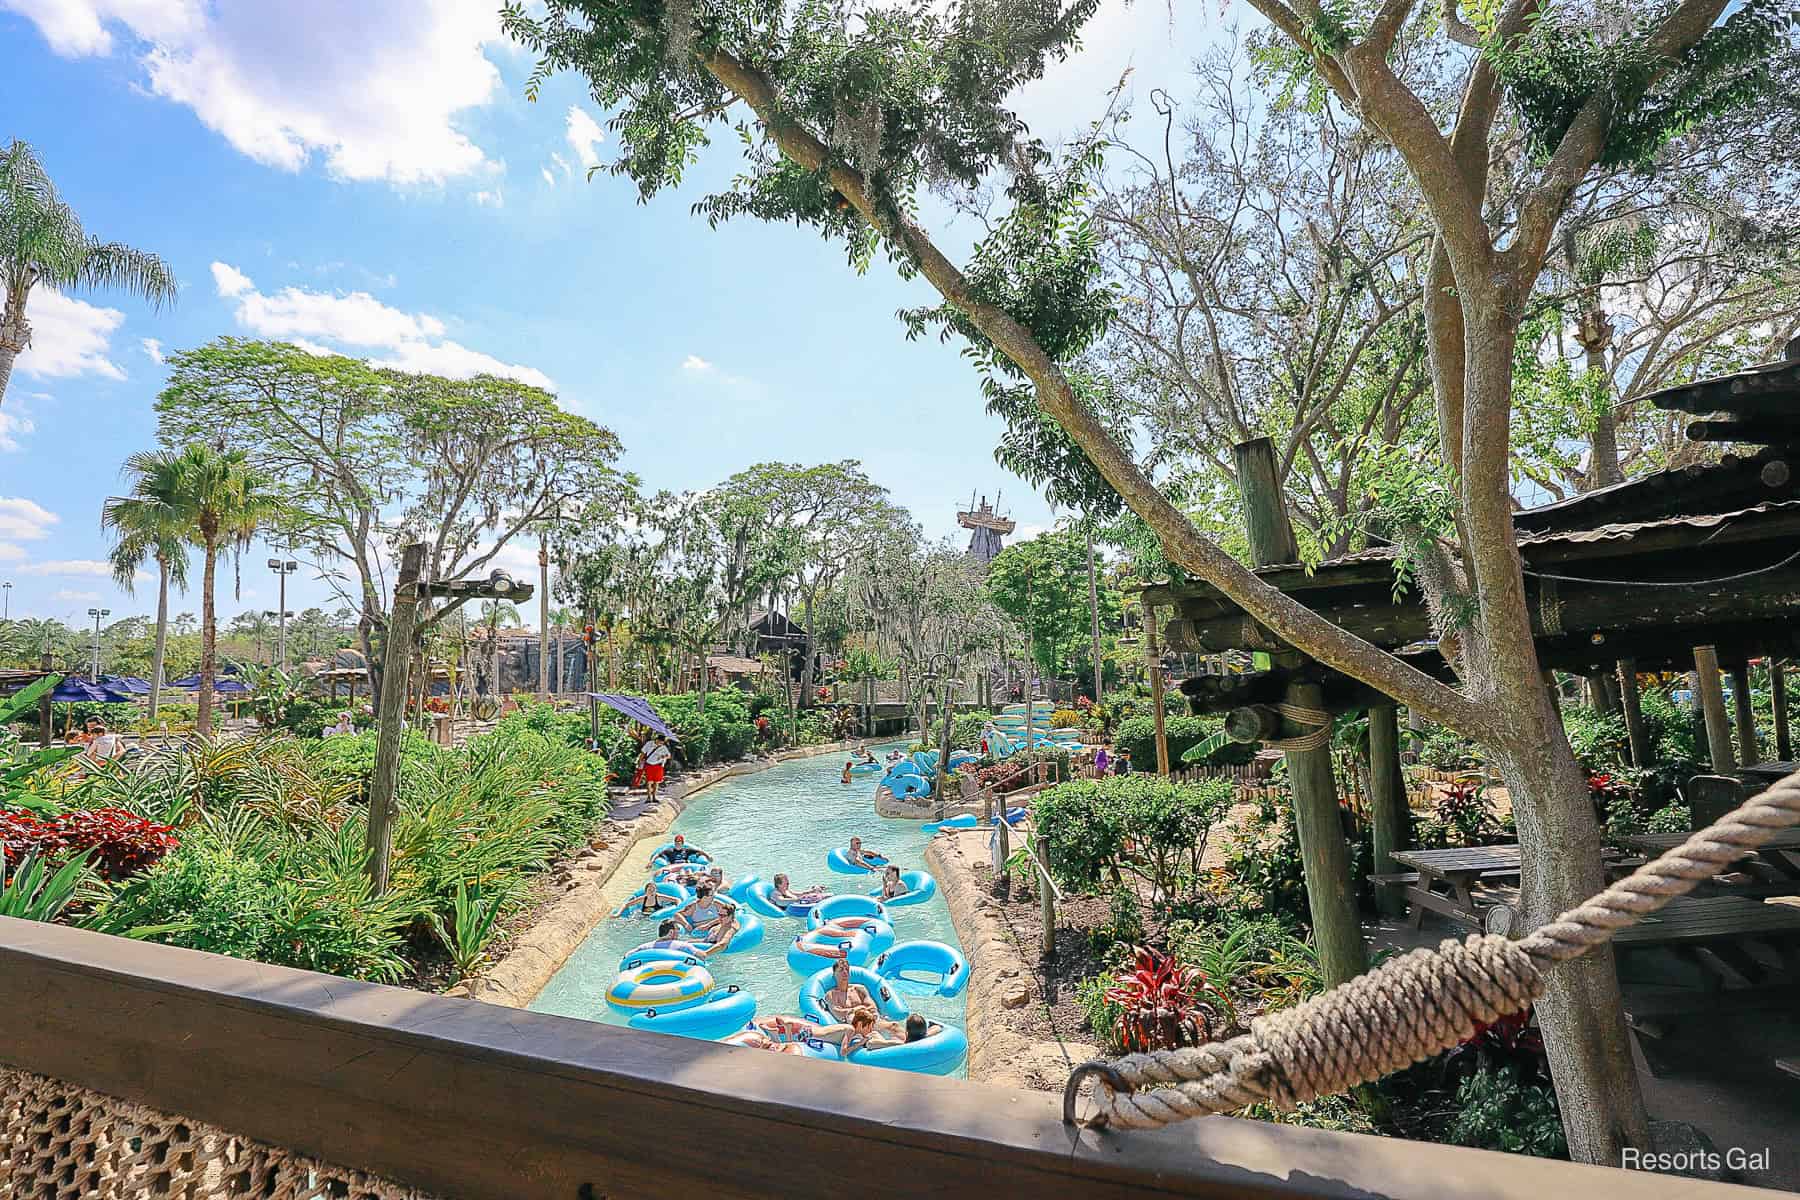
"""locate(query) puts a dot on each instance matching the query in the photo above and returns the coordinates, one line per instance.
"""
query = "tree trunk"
(806, 665)
(15, 330)
(1749, 751)
(209, 636)
(162, 634)
(1390, 817)
(543, 624)
(1559, 838)
(1778, 704)
(390, 721)
(1712, 707)
(1631, 701)
(1094, 611)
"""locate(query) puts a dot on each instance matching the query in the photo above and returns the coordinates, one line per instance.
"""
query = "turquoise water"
(783, 819)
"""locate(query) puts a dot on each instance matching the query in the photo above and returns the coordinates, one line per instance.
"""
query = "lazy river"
(785, 819)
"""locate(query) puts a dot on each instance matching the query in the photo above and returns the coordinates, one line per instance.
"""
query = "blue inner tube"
(920, 887)
(659, 860)
(844, 906)
(924, 968)
(906, 786)
(675, 951)
(724, 1012)
(888, 1001)
(749, 933)
(939, 1054)
(839, 860)
(754, 893)
(808, 954)
(864, 768)
(664, 986)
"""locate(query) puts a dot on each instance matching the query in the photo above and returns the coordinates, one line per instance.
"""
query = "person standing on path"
(653, 756)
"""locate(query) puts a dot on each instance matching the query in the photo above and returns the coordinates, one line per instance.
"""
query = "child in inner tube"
(869, 860)
(710, 917)
(891, 883)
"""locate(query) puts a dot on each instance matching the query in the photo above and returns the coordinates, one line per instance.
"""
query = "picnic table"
(1773, 870)
(1459, 883)
(1745, 953)
(1767, 774)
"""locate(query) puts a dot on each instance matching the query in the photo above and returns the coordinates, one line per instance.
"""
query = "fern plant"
(32, 893)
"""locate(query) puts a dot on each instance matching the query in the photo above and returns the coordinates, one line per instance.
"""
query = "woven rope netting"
(1410, 1007)
(60, 1142)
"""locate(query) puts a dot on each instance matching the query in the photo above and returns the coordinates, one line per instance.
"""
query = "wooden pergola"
(1690, 569)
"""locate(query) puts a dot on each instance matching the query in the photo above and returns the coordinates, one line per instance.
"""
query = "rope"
(1314, 739)
(1410, 1007)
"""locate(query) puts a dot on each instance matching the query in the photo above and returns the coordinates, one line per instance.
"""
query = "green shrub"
(733, 739)
(1599, 739)
(1673, 817)
(116, 716)
(1498, 1109)
(1677, 731)
(1138, 735)
(1101, 1014)
(1092, 829)
(1447, 750)
(965, 731)
(1264, 865)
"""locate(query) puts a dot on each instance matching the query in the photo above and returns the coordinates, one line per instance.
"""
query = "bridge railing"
(132, 1070)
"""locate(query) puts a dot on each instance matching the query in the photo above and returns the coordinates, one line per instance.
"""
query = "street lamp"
(97, 613)
(282, 568)
(280, 617)
(6, 614)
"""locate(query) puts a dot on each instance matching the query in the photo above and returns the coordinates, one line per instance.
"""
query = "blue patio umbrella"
(639, 710)
(131, 684)
(223, 684)
(73, 689)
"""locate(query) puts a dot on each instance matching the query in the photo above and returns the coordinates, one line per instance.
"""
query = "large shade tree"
(42, 242)
(847, 111)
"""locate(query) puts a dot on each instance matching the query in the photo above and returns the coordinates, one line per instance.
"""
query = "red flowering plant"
(118, 843)
(1510, 1040)
(1163, 1002)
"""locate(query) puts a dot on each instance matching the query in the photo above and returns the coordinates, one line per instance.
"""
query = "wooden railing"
(466, 1100)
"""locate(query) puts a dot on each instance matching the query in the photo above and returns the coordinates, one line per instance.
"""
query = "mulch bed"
(1058, 1015)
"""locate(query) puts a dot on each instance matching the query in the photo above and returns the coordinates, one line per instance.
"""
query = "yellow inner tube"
(657, 985)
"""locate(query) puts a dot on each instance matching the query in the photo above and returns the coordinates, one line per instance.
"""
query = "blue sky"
(370, 178)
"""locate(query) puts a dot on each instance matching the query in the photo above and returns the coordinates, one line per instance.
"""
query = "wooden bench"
(1654, 1014)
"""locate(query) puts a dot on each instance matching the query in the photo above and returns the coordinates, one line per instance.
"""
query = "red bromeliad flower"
(1163, 1003)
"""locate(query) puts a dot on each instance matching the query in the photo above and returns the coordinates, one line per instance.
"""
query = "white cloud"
(153, 348)
(73, 566)
(585, 136)
(70, 596)
(10, 552)
(548, 177)
(490, 199)
(563, 164)
(372, 89)
(411, 341)
(694, 362)
(14, 424)
(229, 280)
(69, 337)
(24, 520)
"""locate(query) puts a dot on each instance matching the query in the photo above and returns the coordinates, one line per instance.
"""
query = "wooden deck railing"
(463, 1099)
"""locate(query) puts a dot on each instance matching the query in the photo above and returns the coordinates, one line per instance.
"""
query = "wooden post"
(1784, 750)
(1749, 753)
(1094, 610)
(1631, 700)
(390, 714)
(1323, 851)
(544, 624)
(1153, 653)
(46, 721)
(1712, 706)
(1046, 913)
(1391, 818)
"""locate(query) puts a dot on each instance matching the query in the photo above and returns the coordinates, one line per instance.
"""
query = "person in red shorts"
(653, 756)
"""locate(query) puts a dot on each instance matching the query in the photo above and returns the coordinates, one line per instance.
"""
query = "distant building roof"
(733, 664)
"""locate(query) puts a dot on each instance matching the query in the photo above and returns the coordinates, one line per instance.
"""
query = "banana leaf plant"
(19, 767)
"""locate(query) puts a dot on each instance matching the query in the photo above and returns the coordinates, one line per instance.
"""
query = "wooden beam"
(1712, 706)
(1784, 750)
(1324, 854)
(1153, 655)
(1749, 754)
(1632, 702)
(1389, 815)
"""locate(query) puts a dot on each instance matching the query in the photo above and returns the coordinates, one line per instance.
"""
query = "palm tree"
(150, 524)
(562, 621)
(222, 502)
(42, 241)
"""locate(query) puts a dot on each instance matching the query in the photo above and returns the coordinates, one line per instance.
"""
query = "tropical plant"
(1143, 825)
(31, 893)
(42, 241)
(1498, 1109)
(118, 843)
(1163, 1003)
(470, 929)
(20, 769)
(149, 524)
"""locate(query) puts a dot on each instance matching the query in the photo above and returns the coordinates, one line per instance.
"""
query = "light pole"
(282, 568)
(6, 614)
(97, 613)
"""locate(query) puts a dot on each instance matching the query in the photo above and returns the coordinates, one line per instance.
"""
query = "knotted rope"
(1312, 739)
(1410, 1007)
